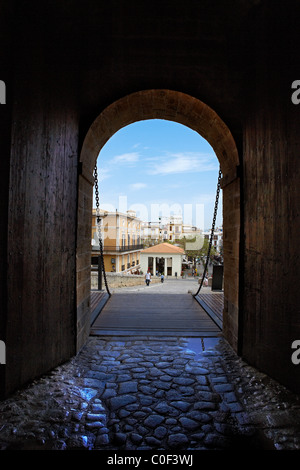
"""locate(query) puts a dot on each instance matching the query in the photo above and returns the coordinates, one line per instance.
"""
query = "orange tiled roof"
(164, 248)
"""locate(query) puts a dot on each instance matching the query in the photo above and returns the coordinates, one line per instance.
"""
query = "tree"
(200, 253)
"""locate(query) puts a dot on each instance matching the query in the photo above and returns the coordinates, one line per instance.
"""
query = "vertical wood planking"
(42, 247)
(271, 175)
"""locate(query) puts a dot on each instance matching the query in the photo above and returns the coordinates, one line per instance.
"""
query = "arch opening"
(191, 112)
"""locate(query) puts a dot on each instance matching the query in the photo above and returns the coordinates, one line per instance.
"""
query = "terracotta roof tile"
(164, 248)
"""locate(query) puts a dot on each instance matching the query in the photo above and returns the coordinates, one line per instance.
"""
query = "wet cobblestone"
(143, 393)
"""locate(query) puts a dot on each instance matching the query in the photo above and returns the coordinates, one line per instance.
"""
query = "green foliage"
(202, 252)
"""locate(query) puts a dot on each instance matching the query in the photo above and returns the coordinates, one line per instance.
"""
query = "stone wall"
(121, 280)
(231, 251)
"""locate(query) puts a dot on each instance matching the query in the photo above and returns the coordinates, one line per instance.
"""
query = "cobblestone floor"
(143, 393)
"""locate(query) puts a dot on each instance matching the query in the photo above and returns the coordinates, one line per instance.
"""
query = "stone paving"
(171, 285)
(152, 393)
(159, 393)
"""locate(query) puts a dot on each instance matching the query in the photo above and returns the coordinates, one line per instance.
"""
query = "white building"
(162, 258)
(217, 238)
(150, 232)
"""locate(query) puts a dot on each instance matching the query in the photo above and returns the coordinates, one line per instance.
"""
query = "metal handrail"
(121, 248)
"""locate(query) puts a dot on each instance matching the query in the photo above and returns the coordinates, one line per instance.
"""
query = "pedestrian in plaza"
(162, 277)
(148, 278)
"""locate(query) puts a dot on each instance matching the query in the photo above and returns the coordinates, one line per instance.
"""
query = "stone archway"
(193, 113)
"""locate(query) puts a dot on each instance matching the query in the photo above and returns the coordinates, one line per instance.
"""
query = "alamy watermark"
(2, 353)
(296, 94)
(296, 354)
(188, 212)
(161, 215)
(2, 92)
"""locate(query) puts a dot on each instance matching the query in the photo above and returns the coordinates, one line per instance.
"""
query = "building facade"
(121, 240)
(163, 258)
(217, 242)
(150, 233)
(167, 229)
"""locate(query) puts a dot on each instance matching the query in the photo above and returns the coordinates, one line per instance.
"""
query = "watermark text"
(156, 459)
(2, 353)
(190, 214)
(2, 92)
(296, 94)
(296, 354)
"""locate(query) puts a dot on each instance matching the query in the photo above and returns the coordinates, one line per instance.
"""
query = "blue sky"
(158, 168)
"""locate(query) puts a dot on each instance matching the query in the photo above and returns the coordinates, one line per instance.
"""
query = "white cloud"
(183, 163)
(132, 157)
(137, 186)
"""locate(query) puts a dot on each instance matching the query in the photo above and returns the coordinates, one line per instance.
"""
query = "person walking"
(162, 277)
(148, 278)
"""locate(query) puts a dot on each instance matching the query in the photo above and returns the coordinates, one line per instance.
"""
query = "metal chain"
(212, 231)
(99, 228)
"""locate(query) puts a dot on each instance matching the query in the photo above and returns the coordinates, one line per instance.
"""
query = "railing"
(122, 248)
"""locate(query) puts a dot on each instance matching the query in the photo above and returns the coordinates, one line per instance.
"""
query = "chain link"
(212, 231)
(100, 235)
(99, 228)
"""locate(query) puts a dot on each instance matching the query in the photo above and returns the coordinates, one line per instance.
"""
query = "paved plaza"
(171, 285)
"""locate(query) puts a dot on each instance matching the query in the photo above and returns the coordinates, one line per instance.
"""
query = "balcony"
(121, 249)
